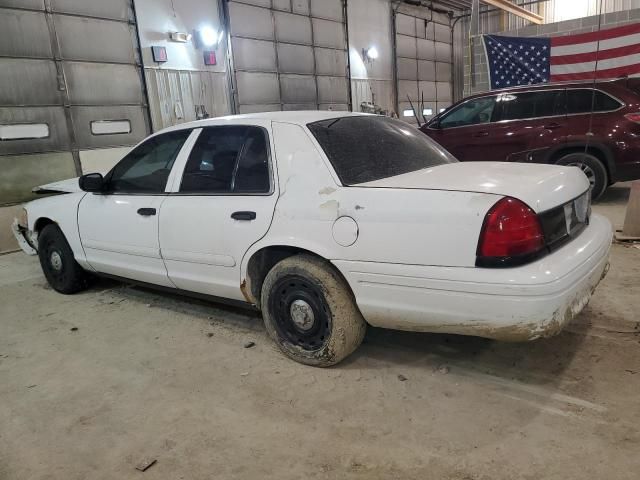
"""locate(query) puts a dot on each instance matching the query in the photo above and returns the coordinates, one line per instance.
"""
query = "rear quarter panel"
(402, 226)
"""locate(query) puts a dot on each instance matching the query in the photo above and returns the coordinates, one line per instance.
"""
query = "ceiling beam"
(507, 6)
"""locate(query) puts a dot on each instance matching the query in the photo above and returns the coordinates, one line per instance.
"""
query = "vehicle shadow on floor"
(541, 362)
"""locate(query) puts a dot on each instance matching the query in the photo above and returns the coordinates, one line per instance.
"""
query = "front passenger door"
(119, 226)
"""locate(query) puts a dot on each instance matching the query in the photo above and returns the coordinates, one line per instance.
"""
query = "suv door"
(220, 205)
(528, 124)
(119, 228)
(465, 131)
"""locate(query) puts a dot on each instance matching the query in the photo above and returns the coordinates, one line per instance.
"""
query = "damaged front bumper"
(26, 238)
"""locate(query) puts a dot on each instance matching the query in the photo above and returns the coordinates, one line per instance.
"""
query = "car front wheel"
(592, 167)
(310, 312)
(58, 263)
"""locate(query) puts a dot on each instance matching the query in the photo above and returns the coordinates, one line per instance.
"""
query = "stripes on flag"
(577, 57)
(610, 53)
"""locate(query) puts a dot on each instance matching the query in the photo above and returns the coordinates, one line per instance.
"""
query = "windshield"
(367, 148)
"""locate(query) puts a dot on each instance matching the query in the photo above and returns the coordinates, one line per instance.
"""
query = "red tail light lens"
(633, 117)
(511, 229)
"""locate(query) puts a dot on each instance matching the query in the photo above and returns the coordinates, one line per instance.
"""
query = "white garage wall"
(179, 88)
(369, 23)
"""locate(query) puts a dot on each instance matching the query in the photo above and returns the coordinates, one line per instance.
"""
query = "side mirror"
(91, 182)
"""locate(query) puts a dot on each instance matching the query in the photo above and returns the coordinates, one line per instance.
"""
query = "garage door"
(423, 65)
(70, 82)
(289, 55)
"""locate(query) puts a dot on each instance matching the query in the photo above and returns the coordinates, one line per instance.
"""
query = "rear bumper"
(517, 304)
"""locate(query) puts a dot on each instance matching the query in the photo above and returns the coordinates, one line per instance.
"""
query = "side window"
(473, 112)
(146, 169)
(580, 101)
(526, 105)
(231, 159)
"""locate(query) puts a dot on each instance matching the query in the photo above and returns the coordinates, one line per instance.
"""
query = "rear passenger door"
(529, 124)
(221, 202)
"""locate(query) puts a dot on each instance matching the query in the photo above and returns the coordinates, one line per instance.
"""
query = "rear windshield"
(367, 148)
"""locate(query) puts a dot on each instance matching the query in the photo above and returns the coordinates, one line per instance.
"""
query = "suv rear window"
(580, 100)
(520, 106)
(367, 148)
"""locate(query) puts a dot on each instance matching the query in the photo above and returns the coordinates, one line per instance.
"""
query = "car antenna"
(414, 111)
(593, 89)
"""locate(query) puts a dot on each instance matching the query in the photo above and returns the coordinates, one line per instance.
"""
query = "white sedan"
(328, 222)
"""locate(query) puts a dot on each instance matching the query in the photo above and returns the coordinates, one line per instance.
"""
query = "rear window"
(519, 106)
(580, 101)
(367, 148)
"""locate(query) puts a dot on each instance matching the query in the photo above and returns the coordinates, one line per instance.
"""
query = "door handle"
(146, 212)
(552, 126)
(481, 134)
(243, 215)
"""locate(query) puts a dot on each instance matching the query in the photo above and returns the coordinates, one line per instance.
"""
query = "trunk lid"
(541, 187)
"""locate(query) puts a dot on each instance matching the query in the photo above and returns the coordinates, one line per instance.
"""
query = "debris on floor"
(145, 464)
(210, 334)
(443, 369)
(402, 378)
(74, 329)
(249, 344)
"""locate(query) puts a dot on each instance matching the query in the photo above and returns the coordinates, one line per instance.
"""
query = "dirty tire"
(58, 263)
(592, 168)
(310, 312)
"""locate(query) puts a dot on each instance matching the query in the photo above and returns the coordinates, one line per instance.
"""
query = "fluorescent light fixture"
(427, 111)
(407, 113)
(23, 131)
(371, 53)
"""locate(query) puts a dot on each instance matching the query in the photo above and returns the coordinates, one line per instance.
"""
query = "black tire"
(309, 311)
(58, 263)
(592, 168)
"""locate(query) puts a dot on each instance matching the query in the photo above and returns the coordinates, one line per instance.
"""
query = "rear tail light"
(633, 117)
(511, 235)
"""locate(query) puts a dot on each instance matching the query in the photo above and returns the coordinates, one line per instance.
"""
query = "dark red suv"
(550, 123)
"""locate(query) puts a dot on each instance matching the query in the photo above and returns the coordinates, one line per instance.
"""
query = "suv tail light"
(511, 235)
(633, 117)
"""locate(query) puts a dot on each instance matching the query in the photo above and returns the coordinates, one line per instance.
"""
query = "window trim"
(109, 174)
(534, 90)
(175, 187)
(497, 95)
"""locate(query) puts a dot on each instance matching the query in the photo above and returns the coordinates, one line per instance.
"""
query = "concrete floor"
(153, 375)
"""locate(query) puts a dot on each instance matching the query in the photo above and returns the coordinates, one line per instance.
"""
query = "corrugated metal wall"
(424, 60)
(289, 55)
(70, 81)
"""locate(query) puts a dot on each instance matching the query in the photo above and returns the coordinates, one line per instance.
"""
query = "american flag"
(609, 53)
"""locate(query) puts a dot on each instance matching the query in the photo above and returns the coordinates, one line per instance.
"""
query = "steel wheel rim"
(55, 260)
(300, 313)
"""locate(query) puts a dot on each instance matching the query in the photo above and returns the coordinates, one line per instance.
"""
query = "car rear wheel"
(592, 167)
(58, 263)
(309, 311)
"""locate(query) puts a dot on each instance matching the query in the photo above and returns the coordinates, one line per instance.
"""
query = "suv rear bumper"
(516, 304)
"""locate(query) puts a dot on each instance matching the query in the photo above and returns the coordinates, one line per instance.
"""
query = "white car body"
(406, 244)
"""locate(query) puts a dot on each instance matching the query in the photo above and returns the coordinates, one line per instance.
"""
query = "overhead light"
(209, 37)
(371, 53)
(180, 37)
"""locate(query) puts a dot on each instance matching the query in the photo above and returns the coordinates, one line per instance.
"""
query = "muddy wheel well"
(41, 223)
(262, 262)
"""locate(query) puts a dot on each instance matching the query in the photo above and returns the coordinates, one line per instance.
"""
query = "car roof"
(299, 117)
(547, 86)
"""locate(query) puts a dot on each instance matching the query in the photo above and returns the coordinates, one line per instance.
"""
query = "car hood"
(542, 187)
(63, 186)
